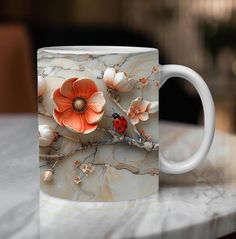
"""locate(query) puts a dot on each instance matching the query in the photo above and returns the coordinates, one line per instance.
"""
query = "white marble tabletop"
(199, 204)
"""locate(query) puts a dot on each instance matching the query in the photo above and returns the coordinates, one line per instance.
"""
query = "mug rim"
(97, 50)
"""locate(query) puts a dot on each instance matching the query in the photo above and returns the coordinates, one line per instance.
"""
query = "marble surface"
(19, 177)
(199, 204)
(121, 172)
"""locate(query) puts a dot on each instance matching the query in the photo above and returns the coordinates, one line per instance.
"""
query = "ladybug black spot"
(119, 127)
(115, 115)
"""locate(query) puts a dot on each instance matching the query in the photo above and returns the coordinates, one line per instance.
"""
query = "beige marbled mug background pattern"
(125, 172)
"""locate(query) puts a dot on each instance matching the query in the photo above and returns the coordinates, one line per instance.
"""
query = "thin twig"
(53, 166)
(45, 114)
(149, 146)
(94, 154)
(137, 132)
(43, 165)
(115, 98)
(90, 145)
(90, 155)
(119, 105)
(69, 138)
(116, 138)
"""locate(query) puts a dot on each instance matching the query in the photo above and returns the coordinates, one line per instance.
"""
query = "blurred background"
(199, 34)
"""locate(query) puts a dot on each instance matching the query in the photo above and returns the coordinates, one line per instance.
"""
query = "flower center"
(79, 104)
(135, 111)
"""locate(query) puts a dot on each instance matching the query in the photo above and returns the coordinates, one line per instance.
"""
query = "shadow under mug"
(98, 121)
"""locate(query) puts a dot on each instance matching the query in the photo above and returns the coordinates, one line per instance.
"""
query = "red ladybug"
(119, 123)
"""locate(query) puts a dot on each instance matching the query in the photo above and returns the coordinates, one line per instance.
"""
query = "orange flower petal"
(153, 107)
(67, 89)
(75, 122)
(96, 102)
(139, 104)
(63, 103)
(134, 120)
(88, 128)
(61, 116)
(93, 117)
(143, 116)
(143, 105)
(84, 87)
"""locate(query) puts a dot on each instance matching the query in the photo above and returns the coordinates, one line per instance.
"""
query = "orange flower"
(79, 105)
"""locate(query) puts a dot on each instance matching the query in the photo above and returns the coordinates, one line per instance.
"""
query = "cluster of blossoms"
(79, 107)
(85, 168)
(139, 109)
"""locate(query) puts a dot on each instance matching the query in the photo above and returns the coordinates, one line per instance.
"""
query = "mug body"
(98, 122)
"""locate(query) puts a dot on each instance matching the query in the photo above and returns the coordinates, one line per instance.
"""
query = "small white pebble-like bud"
(148, 145)
(46, 135)
(41, 85)
(48, 176)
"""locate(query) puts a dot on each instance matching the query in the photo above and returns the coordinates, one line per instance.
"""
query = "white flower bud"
(153, 107)
(41, 85)
(48, 176)
(123, 83)
(148, 145)
(118, 81)
(46, 135)
(108, 77)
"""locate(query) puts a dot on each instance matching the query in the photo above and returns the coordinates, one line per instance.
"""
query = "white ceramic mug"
(98, 121)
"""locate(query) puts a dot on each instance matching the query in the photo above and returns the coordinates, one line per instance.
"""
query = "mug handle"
(168, 71)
